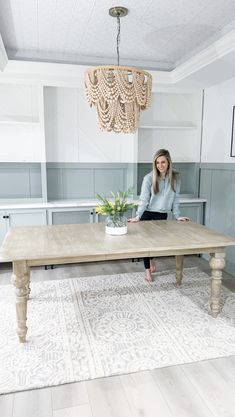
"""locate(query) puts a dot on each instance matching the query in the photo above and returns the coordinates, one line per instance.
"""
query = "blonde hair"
(173, 175)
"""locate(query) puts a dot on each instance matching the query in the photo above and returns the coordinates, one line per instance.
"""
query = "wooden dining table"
(73, 243)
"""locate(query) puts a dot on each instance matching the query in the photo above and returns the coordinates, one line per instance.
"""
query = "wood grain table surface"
(61, 244)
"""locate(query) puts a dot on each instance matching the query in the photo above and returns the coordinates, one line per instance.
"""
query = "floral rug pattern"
(91, 327)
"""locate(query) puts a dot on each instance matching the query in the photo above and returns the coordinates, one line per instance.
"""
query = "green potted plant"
(114, 209)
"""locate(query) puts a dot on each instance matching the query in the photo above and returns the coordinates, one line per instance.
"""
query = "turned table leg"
(20, 279)
(217, 263)
(179, 259)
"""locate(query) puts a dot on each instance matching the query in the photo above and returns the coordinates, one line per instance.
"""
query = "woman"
(159, 195)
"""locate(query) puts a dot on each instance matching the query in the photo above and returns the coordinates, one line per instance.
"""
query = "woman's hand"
(134, 219)
(183, 219)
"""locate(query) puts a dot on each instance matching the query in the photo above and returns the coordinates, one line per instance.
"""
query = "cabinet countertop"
(89, 203)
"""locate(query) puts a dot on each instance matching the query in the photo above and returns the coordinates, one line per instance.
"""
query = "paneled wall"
(54, 130)
(71, 181)
(217, 177)
(51, 147)
(189, 176)
(217, 123)
(20, 181)
(217, 185)
(80, 180)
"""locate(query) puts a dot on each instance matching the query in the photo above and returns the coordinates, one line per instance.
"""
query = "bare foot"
(148, 276)
(152, 266)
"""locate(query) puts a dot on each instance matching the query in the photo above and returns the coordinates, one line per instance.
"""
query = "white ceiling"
(156, 34)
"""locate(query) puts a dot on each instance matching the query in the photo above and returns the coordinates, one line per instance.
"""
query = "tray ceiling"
(156, 34)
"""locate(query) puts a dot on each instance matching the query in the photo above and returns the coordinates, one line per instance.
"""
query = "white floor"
(202, 389)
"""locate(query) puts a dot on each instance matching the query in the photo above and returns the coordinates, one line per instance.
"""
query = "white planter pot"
(116, 231)
(116, 225)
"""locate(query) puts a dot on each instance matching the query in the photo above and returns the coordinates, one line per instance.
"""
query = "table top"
(88, 242)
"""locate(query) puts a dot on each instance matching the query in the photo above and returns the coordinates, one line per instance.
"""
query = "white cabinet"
(173, 122)
(71, 215)
(28, 217)
(21, 217)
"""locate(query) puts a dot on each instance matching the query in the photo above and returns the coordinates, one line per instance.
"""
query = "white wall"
(61, 124)
(71, 128)
(21, 133)
(72, 133)
(177, 120)
(217, 122)
(98, 146)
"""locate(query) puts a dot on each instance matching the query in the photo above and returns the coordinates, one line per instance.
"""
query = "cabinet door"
(27, 218)
(14, 218)
(194, 211)
(3, 226)
(70, 216)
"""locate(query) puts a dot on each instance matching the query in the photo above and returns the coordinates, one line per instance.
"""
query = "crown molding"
(60, 58)
(3, 55)
(212, 53)
(61, 75)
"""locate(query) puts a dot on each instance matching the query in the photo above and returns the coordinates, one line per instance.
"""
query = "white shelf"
(172, 122)
(163, 126)
(18, 120)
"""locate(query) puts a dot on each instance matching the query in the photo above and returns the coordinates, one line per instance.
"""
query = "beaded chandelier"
(119, 93)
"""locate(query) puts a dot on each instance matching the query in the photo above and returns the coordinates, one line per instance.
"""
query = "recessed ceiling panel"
(157, 34)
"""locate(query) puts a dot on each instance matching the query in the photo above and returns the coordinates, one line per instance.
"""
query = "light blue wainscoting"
(20, 181)
(217, 185)
(80, 180)
(189, 175)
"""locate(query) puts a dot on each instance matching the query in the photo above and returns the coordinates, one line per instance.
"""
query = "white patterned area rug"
(92, 327)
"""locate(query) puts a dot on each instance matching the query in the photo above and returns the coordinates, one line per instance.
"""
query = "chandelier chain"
(119, 93)
(118, 38)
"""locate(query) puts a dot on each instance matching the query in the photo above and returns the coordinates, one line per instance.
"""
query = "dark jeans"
(152, 215)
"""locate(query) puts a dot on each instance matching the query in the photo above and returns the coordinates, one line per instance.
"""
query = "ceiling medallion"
(118, 93)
